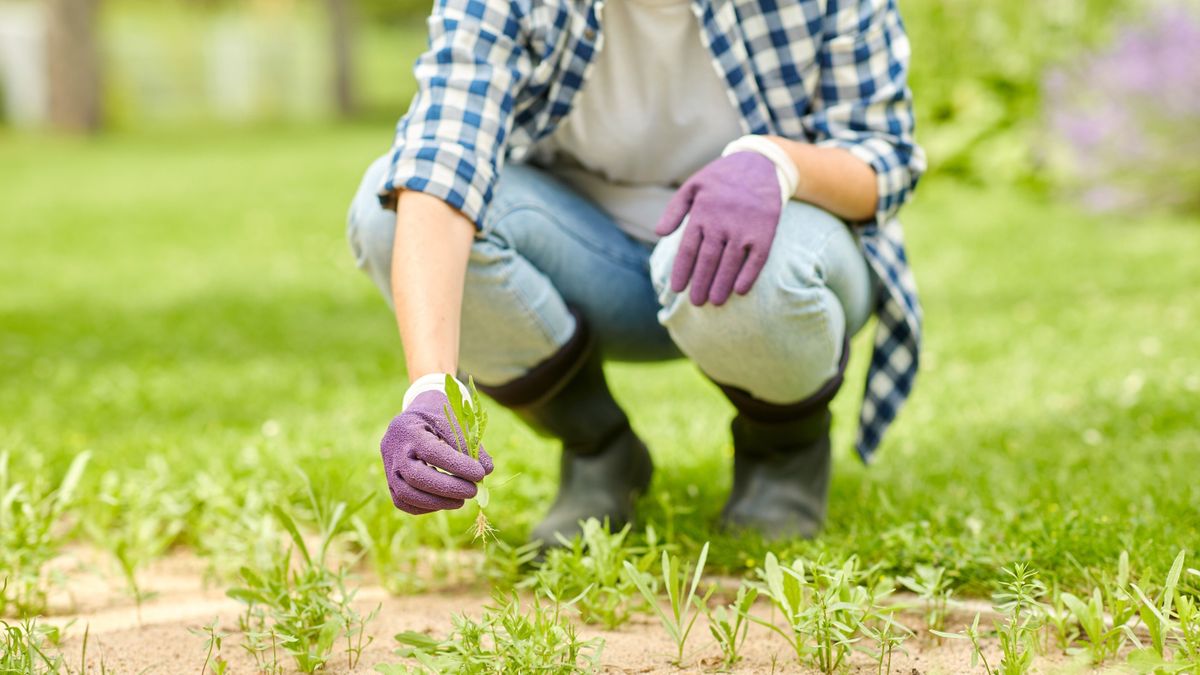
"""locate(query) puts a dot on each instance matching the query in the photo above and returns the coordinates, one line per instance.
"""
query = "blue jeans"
(544, 247)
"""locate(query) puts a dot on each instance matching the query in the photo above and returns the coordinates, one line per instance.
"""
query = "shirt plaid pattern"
(498, 75)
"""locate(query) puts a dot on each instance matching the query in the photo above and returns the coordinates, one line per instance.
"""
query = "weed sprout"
(25, 648)
(823, 607)
(679, 623)
(212, 647)
(729, 624)
(591, 568)
(933, 588)
(30, 514)
(304, 608)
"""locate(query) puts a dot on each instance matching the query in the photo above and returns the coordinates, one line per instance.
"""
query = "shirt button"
(590, 34)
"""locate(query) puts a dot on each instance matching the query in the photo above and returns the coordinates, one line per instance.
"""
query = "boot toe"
(564, 521)
(774, 525)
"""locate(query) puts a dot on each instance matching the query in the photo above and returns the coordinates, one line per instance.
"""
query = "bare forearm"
(429, 263)
(833, 179)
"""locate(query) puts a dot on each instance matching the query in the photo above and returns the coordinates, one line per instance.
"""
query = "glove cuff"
(785, 168)
(430, 382)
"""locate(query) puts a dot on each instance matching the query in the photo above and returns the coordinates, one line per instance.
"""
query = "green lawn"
(191, 296)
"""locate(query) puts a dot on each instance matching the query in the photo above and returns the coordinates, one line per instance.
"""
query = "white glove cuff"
(430, 382)
(785, 168)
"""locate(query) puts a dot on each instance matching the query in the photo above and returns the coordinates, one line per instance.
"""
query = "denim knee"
(784, 340)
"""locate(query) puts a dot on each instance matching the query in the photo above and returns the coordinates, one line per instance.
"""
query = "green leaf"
(418, 640)
(290, 526)
(483, 496)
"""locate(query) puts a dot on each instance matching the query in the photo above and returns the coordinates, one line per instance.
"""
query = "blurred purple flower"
(1128, 115)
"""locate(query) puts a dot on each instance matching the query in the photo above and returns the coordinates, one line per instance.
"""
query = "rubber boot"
(781, 462)
(604, 466)
(780, 476)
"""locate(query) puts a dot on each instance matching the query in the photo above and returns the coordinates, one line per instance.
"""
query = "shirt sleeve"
(451, 142)
(863, 102)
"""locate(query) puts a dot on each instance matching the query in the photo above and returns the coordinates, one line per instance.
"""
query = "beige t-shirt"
(652, 112)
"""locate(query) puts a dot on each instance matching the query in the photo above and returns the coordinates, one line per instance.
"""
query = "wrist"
(425, 383)
(785, 169)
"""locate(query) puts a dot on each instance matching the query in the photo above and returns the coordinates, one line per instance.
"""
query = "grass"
(191, 298)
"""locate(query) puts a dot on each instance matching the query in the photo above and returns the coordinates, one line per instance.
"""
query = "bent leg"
(778, 353)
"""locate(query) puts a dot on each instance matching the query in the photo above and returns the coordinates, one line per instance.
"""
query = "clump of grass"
(469, 420)
(304, 608)
(729, 624)
(31, 513)
(1018, 602)
(28, 647)
(880, 626)
(1187, 610)
(1104, 615)
(212, 647)
(590, 567)
(822, 605)
(139, 515)
(504, 565)
(393, 551)
(231, 523)
(681, 597)
(507, 640)
(1061, 620)
(1157, 614)
(932, 586)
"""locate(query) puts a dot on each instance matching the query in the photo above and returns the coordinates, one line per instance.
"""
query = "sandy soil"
(158, 641)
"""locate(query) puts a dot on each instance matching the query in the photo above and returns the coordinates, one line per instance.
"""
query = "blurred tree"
(73, 61)
(341, 29)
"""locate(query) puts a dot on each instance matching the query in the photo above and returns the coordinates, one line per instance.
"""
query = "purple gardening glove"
(734, 204)
(418, 442)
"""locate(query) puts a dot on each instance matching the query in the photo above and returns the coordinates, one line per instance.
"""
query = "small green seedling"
(468, 419)
(1158, 614)
(972, 635)
(31, 514)
(823, 607)
(933, 587)
(1102, 641)
(1018, 602)
(679, 623)
(1061, 620)
(880, 626)
(729, 624)
(212, 647)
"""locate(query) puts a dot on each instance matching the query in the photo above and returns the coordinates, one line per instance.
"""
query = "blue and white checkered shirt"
(500, 74)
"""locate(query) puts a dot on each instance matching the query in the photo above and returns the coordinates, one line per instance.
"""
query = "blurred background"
(1068, 93)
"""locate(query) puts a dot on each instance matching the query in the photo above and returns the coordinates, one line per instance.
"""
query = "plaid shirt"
(499, 75)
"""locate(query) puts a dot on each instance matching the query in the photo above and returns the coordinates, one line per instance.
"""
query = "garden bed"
(159, 637)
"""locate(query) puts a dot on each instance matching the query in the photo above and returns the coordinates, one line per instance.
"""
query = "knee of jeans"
(781, 341)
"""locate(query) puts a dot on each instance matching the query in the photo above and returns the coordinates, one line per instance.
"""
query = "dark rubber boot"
(781, 462)
(780, 476)
(605, 466)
